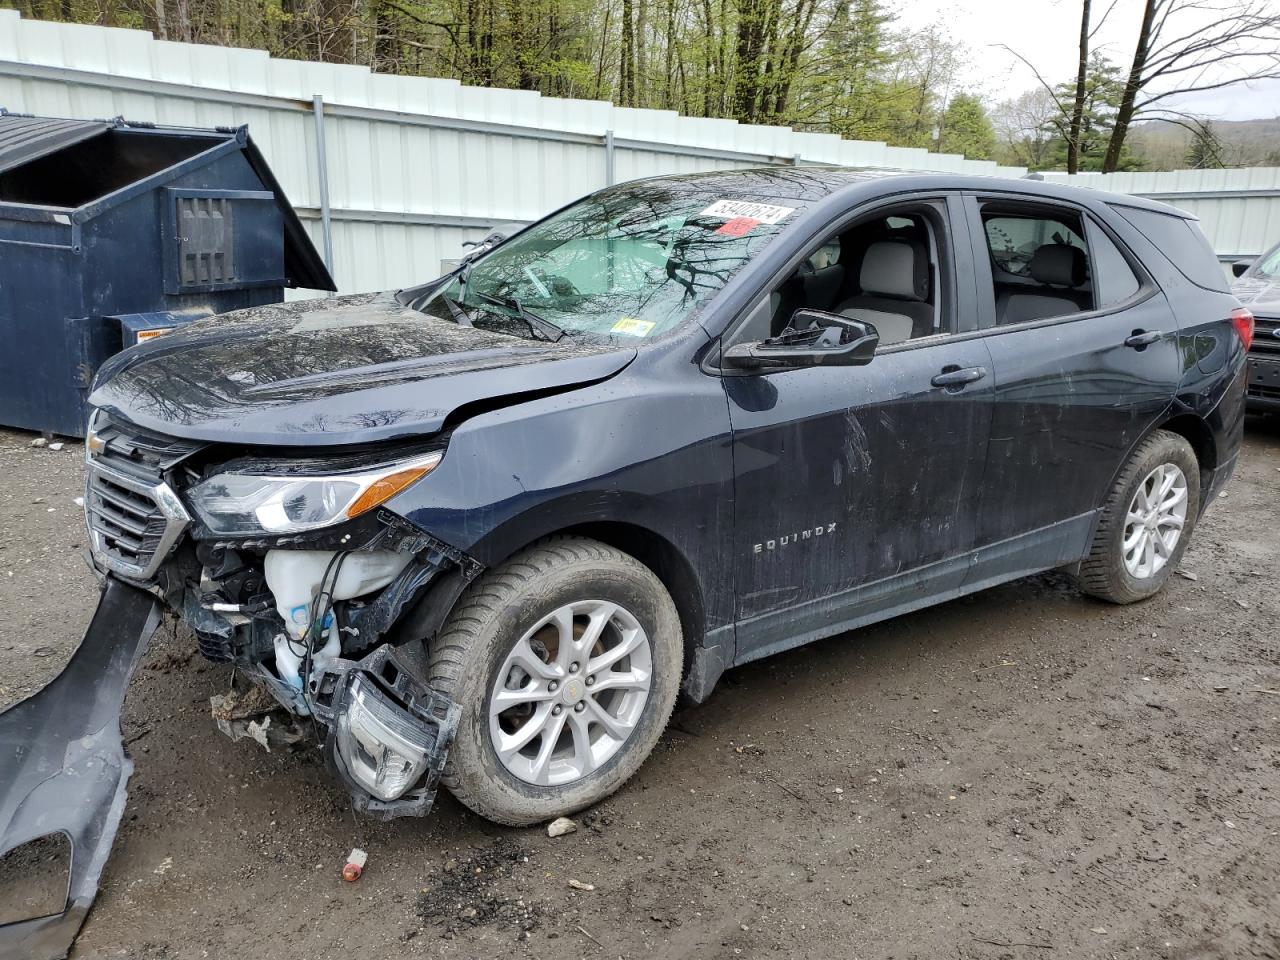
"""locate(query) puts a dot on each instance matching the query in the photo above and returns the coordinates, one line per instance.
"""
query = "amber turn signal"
(384, 488)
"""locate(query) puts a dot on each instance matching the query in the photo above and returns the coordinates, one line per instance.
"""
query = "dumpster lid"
(24, 138)
(302, 262)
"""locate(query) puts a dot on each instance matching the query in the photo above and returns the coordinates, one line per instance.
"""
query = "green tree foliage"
(834, 66)
(966, 128)
(840, 66)
(1103, 88)
(1206, 150)
(1035, 127)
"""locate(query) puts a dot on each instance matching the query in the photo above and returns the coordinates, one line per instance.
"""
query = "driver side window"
(883, 270)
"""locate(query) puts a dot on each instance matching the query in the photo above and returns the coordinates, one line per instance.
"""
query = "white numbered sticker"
(760, 212)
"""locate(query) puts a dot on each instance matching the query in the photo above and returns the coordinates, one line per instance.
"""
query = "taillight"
(1242, 320)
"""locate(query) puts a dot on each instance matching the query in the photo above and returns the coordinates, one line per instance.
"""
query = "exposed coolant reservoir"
(294, 578)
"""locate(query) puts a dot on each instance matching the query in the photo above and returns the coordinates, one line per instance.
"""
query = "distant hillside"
(1245, 143)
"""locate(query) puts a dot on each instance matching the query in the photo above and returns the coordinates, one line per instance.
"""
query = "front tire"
(1146, 521)
(566, 662)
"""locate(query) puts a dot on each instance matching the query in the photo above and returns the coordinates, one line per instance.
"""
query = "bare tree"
(1073, 118)
(1082, 76)
(1026, 125)
(1178, 52)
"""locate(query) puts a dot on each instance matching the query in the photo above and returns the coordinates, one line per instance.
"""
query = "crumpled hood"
(329, 372)
(1259, 294)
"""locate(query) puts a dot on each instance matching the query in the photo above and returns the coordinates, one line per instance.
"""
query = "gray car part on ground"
(63, 766)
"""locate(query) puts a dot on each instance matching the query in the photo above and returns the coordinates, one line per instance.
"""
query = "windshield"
(1268, 267)
(628, 262)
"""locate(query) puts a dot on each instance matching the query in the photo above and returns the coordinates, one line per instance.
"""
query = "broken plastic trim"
(431, 714)
(63, 767)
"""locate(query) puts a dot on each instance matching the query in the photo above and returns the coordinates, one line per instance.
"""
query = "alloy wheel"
(1154, 522)
(570, 692)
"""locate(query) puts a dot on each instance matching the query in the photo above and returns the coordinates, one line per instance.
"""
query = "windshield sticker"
(633, 327)
(739, 226)
(760, 212)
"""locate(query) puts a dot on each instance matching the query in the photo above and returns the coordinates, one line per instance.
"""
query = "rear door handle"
(1142, 338)
(955, 378)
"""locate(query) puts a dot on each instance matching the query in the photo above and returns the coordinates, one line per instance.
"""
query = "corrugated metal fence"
(392, 174)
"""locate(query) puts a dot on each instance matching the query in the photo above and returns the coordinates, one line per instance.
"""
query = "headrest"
(889, 270)
(1058, 264)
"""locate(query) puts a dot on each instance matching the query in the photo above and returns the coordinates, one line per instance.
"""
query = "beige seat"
(892, 297)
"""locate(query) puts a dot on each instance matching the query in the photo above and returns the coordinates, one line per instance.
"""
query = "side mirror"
(1240, 267)
(814, 338)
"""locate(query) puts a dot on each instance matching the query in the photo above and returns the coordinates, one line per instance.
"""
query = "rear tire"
(598, 720)
(1157, 494)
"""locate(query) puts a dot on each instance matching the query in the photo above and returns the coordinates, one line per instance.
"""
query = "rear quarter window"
(1113, 279)
(1181, 241)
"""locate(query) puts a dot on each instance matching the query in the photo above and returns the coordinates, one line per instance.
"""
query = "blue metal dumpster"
(113, 232)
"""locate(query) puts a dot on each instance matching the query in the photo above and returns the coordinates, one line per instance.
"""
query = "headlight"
(244, 504)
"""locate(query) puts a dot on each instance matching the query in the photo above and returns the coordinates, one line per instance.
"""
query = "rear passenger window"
(1112, 276)
(1040, 264)
(1181, 241)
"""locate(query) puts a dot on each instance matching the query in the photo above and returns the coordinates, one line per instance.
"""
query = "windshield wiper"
(459, 315)
(543, 328)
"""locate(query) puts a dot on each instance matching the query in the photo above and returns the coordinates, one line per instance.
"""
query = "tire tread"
(483, 601)
(1099, 574)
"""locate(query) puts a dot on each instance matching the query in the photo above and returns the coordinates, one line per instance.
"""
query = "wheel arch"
(1192, 428)
(1196, 432)
(668, 562)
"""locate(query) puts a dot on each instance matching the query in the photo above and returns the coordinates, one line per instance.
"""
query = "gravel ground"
(1021, 773)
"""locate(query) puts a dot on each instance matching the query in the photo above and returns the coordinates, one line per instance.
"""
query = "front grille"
(134, 517)
(139, 451)
(1265, 340)
(1264, 393)
(126, 520)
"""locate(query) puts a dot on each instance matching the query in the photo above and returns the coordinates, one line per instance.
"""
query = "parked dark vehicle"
(485, 530)
(1258, 287)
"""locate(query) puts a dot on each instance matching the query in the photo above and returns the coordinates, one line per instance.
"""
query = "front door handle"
(956, 378)
(1142, 338)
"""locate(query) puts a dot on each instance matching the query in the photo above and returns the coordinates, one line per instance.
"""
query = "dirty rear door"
(857, 488)
(1077, 381)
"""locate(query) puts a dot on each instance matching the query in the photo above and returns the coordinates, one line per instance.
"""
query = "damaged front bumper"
(332, 624)
(337, 636)
(63, 767)
(389, 733)
(64, 770)
(329, 620)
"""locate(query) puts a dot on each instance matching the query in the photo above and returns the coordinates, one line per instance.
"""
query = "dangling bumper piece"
(389, 733)
(63, 767)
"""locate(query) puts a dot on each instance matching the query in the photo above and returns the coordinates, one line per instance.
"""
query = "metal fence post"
(322, 162)
(608, 158)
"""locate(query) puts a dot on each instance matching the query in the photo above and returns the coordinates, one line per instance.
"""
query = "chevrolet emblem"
(94, 444)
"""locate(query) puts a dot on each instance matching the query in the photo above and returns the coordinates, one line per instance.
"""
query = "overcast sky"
(1046, 33)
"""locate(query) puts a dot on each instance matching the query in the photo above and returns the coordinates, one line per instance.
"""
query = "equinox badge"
(789, 538)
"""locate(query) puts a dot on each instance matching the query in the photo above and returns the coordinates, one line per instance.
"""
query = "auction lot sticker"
(760, 212)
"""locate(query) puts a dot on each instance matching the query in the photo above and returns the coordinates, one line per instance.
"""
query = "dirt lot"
(1022, 773)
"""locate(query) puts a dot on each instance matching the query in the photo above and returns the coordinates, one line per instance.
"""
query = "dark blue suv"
(484, 531)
